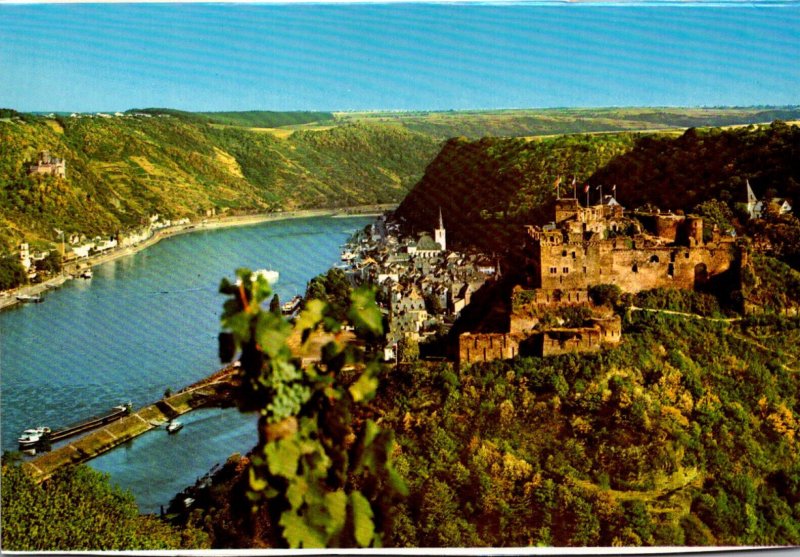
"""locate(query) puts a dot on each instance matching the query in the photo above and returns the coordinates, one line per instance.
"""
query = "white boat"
(174, 426)
(87, 273)
(28, 299)
(32, 437)
(292, 305)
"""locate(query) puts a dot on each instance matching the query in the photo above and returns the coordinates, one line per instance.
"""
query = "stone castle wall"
(485, 347)
(573, 267)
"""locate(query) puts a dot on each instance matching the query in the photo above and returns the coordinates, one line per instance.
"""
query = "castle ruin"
(594, 245)
(47, 164)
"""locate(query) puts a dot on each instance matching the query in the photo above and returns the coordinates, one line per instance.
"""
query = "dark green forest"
(488, 189)
(707, 164)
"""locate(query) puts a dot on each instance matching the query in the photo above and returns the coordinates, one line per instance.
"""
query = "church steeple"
(439, 234)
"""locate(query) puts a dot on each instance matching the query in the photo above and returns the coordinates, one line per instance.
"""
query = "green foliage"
(268, 119)
(121, 170)
(782, 235)
(77, 510)
(605, 294)
(771, 285)
(684, 434)
(530, 122)
(50, 264)
(326, 480)
(275, 304)
(334, 289)
(715, 213)
(12, 273)
(674, 299)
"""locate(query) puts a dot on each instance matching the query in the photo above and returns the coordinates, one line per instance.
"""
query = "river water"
(143, 324)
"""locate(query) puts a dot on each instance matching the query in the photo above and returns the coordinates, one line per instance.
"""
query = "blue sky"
(401, 56)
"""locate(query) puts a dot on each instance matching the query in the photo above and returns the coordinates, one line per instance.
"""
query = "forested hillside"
(488, 188)
(685, 434)
(122, 169)
(679, 173)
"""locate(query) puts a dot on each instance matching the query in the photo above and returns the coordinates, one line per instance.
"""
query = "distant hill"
(267, 119)
(246, 119)
(178, 163)
(553, 121)
(122, 169)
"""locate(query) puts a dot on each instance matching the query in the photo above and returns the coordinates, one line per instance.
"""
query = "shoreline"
(8, 298)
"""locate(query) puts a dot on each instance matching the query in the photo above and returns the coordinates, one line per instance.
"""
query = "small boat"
(292, 305)
(30, 438)
(28, 299)
(87, 273)
(174, 426)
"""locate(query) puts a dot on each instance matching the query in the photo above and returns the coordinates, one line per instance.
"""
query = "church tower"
(439, 233)
(753, 204)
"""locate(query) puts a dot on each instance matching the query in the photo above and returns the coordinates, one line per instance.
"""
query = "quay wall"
(123, 430)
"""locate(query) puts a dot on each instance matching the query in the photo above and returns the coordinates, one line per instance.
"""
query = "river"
(143, 324)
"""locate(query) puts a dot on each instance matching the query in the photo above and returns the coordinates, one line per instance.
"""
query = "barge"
(47, 436)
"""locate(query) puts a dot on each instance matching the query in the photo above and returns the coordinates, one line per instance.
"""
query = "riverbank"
(8, 298)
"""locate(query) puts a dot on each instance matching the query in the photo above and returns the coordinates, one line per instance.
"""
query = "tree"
(432, 304)
(275, 305)
(605, 294)
(325, 478)
(12, 273)
(51, 263)
(77, 509)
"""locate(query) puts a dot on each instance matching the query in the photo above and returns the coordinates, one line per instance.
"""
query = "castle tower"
(25, 256)
(439, 233)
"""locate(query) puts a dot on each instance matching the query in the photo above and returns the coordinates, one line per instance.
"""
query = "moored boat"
(42, 436)
(30, 438)
(87, 273)
(292, 305)
(30, 299)
(174, 426)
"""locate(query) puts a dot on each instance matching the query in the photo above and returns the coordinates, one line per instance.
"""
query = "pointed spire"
(441, 222)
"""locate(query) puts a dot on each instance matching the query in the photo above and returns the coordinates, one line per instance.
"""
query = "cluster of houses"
(422, 287)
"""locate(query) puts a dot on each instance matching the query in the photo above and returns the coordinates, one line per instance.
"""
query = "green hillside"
(703, 164)
(685, 434)
(247, 119)
(552, 121)
(488, 188)
(122, 169)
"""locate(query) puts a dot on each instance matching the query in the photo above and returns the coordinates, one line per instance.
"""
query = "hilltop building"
(589, 246)
(756, 208)
(48, 165)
